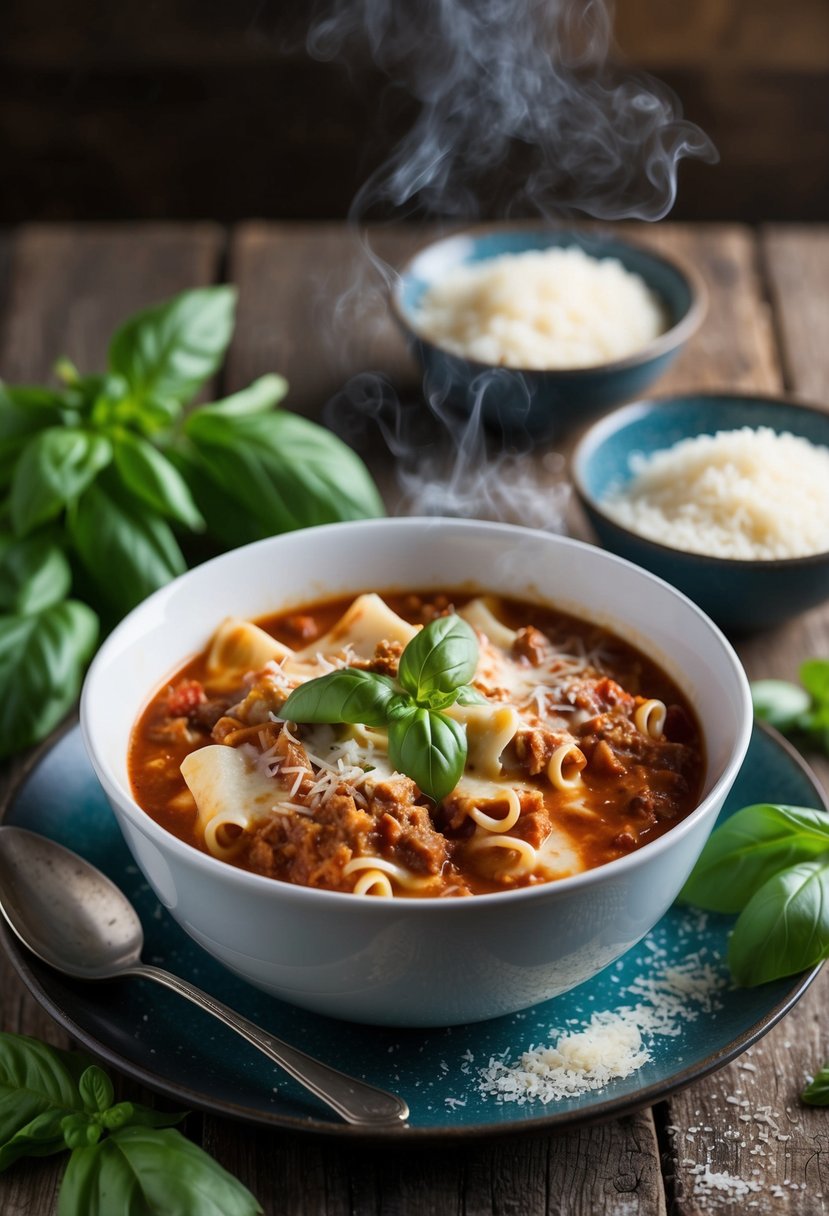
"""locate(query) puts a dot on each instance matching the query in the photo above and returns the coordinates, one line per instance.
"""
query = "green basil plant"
(107, 481)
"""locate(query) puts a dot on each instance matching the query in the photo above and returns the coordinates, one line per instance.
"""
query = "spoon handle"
(357, 1102)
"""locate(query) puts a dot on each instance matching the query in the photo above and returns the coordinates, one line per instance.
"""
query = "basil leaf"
(227, 521)
(38, 1088)
(150, 1172)
(34, 574)
(54, 469)
(816, 1092)
(96, 1090)
(778, 702)
(23, 412)
(42, 1136)
(439, 659)
(348, 695)
(42, 658)
(152, 478)
(467, 695)
(79, 1130)
(814, 676)
(133, 1114)
(784, 927)
(751, 846)
(428, 747)
(167, 352)
(257, 398)
(286, 471)
(127, 551)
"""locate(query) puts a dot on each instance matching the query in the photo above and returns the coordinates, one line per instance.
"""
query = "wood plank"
(770, 1143)
(734, 348)
(311, 307)
(71, 286)
(797, 259)
(613, 1169)
(67, 288)
(753, 34)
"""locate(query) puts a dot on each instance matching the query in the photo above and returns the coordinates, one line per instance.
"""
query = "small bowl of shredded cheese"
(537, 330)
(725, 496)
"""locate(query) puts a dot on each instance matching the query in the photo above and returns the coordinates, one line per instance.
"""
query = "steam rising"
(520, 85)
(518, 113)
(444, 461)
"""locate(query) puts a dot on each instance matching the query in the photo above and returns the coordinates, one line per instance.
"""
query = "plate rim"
(547, 1122)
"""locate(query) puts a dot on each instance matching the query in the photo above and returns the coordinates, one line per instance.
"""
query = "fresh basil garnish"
(439, 659)
(285, 471)
(428, 747)
(798, 710)
(784, 927)
(124, 1157)
(127, 552)
(167, 352)
(54, 469)
(771, 864)
(816, 1092)
(42, 657)
(347, 695)
(34, 574)
(155, 480)
(751, 847)
(433, 672)
(779, 703)
(103, 492)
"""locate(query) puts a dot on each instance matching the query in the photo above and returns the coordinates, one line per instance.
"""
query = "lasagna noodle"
(489, 729)
(239, 647)
(367, 622)
(478, 613)
(231, 792)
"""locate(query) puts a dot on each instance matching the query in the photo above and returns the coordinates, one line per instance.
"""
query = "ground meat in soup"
(580, 781)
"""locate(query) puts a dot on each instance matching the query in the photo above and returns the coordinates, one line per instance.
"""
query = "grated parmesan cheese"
(612, 1044)
(547, 308)
(746, 494)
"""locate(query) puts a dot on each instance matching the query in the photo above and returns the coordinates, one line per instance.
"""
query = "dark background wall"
(210, 108)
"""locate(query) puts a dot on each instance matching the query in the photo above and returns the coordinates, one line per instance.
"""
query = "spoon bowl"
(64, 910)
(74, 919)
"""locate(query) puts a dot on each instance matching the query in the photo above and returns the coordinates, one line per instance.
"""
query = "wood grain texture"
(313, 305)
(71, 286)
(65, 290)
(797, 264)
(67, 287)
(746, 1121)
(734, 348)
(613, 1169)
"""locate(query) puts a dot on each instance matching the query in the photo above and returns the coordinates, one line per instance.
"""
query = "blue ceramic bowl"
(740, 595)
(544, 404)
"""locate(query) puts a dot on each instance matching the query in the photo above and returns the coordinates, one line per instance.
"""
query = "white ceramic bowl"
(414, 962)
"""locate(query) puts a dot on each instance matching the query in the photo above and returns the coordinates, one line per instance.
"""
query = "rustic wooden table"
(61, 291)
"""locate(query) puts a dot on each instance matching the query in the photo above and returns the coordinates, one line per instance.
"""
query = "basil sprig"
(124, 1156)
(434, 672)
(816, 1092)
(801, 709)
(108, 482)
(771, 864)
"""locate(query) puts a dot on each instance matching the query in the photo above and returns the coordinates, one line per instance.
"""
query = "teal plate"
(169, 1045)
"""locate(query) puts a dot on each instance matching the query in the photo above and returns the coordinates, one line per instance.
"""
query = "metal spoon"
(73, 918)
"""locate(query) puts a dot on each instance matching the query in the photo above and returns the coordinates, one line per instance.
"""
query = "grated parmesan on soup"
(748, 494)
(555, 308)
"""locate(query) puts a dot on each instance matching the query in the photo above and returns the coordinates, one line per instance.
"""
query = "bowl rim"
(665, 343)
(194, 859)
(615, 423)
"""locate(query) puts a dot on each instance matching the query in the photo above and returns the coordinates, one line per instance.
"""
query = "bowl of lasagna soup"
(416, 771)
